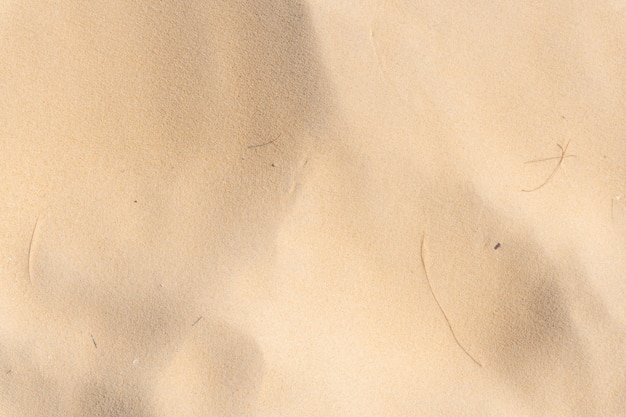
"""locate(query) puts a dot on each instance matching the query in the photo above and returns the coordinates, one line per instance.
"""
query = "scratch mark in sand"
(30, 250)
(445, 316)
(616, 202)
(381, 64)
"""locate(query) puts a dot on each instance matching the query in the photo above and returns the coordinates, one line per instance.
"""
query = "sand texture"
(312, 208)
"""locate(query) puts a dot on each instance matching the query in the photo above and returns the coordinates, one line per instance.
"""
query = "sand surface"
(319, 208)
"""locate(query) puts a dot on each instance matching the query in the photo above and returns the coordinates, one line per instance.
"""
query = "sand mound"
(281, 208)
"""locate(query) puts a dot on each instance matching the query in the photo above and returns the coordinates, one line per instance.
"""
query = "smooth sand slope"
(323, 208)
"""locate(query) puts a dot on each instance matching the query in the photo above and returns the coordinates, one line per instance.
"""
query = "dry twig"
(560, 158)
(445, 316)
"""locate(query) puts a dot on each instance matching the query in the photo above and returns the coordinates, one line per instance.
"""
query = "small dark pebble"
(497, 246)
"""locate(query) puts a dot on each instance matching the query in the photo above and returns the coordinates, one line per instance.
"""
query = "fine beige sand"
(312, 208)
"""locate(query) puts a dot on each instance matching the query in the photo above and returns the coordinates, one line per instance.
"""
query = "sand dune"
(283, 208)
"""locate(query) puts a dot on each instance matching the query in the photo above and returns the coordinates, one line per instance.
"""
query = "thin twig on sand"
(558, 165)
(445, 316)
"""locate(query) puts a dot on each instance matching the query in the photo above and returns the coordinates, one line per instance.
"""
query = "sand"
(322, 208)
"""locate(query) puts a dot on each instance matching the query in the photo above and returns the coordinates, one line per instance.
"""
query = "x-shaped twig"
(560, 158)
